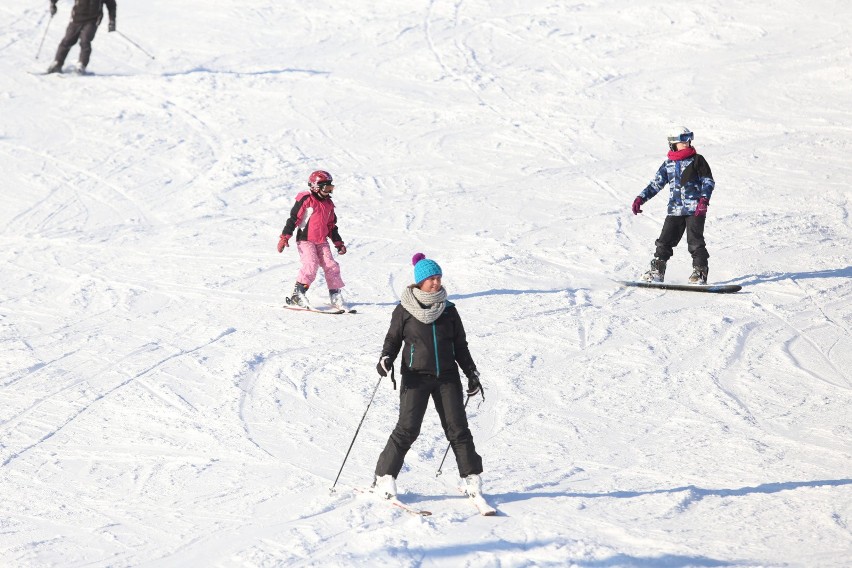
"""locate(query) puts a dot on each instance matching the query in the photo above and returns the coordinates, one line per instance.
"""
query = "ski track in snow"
(159, 408)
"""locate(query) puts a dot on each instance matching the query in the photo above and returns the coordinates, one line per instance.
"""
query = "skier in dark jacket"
(86, 16)
(428, 330)
(691, 185)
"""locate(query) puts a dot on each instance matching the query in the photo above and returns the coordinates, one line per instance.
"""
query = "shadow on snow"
(754, 279)
(696, 493)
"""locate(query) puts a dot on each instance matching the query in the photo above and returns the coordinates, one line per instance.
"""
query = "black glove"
(53, 8)
(111, 27)
(383, 367)
(474, 386)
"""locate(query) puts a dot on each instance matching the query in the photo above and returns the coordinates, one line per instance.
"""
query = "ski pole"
(359, 429)
(47, 27)
(134, 44)
(438, 473)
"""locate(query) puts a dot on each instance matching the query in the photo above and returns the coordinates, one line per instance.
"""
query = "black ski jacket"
(92, 10)
(433, 349)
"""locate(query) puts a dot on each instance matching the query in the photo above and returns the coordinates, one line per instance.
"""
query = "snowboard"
(709, 288)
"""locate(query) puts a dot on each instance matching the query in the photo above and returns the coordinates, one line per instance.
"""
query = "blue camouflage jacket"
(689, 180)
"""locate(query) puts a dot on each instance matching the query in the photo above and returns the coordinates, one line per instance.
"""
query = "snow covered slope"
(158, 408)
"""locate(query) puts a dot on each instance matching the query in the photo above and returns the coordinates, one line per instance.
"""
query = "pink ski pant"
(315, 256)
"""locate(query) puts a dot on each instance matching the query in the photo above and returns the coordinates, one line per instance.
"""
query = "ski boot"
(385, 486)
(473, 489)
(336, 299)
(79, 68)
(699, 275)
(55, 67)
(473, 485)
(657, 273)
(299, 297)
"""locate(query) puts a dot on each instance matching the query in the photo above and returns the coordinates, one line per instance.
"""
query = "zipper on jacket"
(435, 343)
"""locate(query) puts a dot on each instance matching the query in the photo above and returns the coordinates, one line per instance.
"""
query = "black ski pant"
(83, 31)
(673, 228)
(414, 395)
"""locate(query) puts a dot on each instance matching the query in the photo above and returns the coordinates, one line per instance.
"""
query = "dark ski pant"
(673, 228)
(85, 32)
(414, 395)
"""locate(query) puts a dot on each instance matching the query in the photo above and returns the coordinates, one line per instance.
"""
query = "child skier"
(691, 185)
(314, 218)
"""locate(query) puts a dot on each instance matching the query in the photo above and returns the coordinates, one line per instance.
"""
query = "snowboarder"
(314, 217)
(691, 185)
(428, 329)
(86, 16)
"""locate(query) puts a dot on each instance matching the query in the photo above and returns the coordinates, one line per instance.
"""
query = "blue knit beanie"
(424, 268)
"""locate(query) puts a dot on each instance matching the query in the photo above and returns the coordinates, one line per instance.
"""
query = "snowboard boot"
(55, 67)
(299, 298)
(336, 299)
(473, 485)
(385, 486)
(699, 275)
(657, 273)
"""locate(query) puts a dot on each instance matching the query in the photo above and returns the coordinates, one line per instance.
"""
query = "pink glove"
(283, 242)
(701, 208)
(637, 203)
(341, 248)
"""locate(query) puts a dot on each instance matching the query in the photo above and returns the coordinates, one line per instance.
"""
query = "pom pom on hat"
(424, 268)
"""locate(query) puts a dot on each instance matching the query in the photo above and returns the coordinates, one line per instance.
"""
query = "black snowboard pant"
(83, 31)
(414, 397)
(673, 228)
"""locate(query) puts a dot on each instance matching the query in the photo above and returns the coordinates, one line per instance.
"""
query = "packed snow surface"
(158, 407)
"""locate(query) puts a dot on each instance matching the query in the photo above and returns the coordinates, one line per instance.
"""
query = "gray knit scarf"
(425, 306)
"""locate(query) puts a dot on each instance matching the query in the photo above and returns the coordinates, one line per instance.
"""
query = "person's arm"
(655, 185)
(295, 218)
(705, 177)
(394, 336)
(110, 4)
(462, 351)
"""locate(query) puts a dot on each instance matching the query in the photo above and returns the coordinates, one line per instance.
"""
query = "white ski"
(394, 502)
(482, 505)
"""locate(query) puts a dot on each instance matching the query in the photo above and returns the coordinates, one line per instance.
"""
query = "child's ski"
(331, 310)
